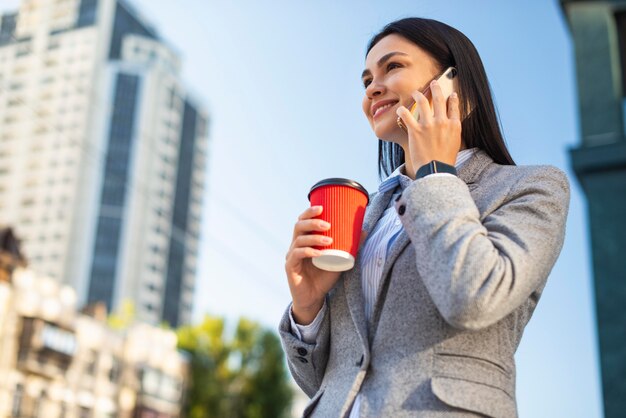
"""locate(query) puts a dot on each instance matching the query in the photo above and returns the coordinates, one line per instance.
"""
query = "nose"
(374, 89)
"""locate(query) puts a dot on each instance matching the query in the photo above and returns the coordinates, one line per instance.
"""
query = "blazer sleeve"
(307, 362)
(477, 271)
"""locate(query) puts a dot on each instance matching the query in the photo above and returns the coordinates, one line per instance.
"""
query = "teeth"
(383, 108)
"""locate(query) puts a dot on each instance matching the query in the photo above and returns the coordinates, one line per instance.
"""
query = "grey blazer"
(460, 284)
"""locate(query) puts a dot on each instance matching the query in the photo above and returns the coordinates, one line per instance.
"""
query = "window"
(23, 49)
(116, 368)
(18, 395)
(92, 362)
(54, 42)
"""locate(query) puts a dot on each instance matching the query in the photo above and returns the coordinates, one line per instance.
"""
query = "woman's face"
(394, 68)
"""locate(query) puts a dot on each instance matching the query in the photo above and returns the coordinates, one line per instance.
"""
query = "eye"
(367, 82)
(393, 66)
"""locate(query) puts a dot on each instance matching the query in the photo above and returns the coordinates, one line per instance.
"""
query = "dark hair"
(450, 48)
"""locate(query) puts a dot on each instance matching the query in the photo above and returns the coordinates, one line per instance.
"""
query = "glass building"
(598, 33)
(102, 154)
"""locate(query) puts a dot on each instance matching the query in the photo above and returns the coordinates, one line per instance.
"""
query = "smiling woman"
(434, 48)
(459, 245)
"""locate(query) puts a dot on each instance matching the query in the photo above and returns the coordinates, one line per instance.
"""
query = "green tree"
(243, 376)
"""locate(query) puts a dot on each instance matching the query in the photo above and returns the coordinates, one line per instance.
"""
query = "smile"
(378, 110)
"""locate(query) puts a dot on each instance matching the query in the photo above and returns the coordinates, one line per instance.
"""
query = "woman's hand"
(308, 284)
(437, 134)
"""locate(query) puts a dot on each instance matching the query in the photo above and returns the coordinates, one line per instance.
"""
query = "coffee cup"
(343, 203)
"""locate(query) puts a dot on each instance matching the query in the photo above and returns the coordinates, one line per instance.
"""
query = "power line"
(245, 265)
(138, 186)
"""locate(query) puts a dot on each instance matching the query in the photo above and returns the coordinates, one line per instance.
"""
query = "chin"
(391, 134)
(384, 130)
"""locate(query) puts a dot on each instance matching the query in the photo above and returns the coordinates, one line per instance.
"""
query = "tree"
(240, 377)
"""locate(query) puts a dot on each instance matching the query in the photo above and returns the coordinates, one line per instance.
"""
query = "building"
(57, 362)
(10, 254)
(598, 30)
(102, 154)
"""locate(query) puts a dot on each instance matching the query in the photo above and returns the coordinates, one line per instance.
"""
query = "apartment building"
(102, 154)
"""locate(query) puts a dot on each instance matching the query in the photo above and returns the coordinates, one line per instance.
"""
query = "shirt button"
(302, 351)
(401, 210)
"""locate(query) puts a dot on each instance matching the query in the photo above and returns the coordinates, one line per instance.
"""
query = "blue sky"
(281, 82)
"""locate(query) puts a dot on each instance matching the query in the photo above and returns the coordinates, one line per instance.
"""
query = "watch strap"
(434, 167)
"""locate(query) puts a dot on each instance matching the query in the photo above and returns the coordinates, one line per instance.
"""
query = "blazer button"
(302, 351)
(302, 360)
(401, 210)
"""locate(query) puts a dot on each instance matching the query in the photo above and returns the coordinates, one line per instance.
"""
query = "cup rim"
(338, 181)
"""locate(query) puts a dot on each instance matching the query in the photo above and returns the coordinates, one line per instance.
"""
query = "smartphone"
(448, 83)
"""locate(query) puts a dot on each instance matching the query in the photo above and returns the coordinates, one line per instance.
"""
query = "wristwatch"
(434, 167)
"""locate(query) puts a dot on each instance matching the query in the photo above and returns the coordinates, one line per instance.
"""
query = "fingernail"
(453, 95)
(433, 83)
(324, 224)
(327, 240)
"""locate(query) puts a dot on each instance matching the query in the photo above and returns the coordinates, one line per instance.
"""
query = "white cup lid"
(334, 260)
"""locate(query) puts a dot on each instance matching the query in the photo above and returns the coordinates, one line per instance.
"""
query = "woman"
(453, 264)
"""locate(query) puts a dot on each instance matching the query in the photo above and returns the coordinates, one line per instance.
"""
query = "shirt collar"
(399, 177)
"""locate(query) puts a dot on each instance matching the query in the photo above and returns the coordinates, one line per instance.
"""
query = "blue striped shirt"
(374, 254)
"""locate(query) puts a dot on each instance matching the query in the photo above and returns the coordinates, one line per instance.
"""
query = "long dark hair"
(450, 48)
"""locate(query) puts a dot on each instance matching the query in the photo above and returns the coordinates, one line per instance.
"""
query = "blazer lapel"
(396, 249)
(468, 173)
(473, 167)
(352, 278)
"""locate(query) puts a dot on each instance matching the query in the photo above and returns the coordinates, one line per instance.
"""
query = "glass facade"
(114, 189)
(87, 13)
(176, 256)
(7, 28)
(126, 23)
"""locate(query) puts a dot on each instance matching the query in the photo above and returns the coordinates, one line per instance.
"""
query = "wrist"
(305, 315)
(434, 167)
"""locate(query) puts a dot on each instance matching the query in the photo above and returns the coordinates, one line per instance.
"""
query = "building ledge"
(599, 158)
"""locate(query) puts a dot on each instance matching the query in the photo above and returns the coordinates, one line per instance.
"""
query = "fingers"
(298, 254)
(407, 118)
(310, 212)
(453, 107)
(304, 236)
(439, 102)
(309, 225)
(312, 240)
(423, 108)
(302, 226)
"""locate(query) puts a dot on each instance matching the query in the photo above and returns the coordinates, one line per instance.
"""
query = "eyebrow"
(382, 60)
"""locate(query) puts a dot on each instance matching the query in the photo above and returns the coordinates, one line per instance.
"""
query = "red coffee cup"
(344, 203)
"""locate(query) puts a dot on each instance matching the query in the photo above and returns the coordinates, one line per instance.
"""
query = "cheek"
(365, 106)
(404, 85)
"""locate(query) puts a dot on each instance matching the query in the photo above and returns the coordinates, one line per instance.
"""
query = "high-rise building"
(102, 154)
(598, 31)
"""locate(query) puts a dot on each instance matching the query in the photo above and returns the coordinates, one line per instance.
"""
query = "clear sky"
(281, 82)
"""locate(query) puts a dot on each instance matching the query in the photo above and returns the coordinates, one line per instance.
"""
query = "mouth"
(382, 107)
